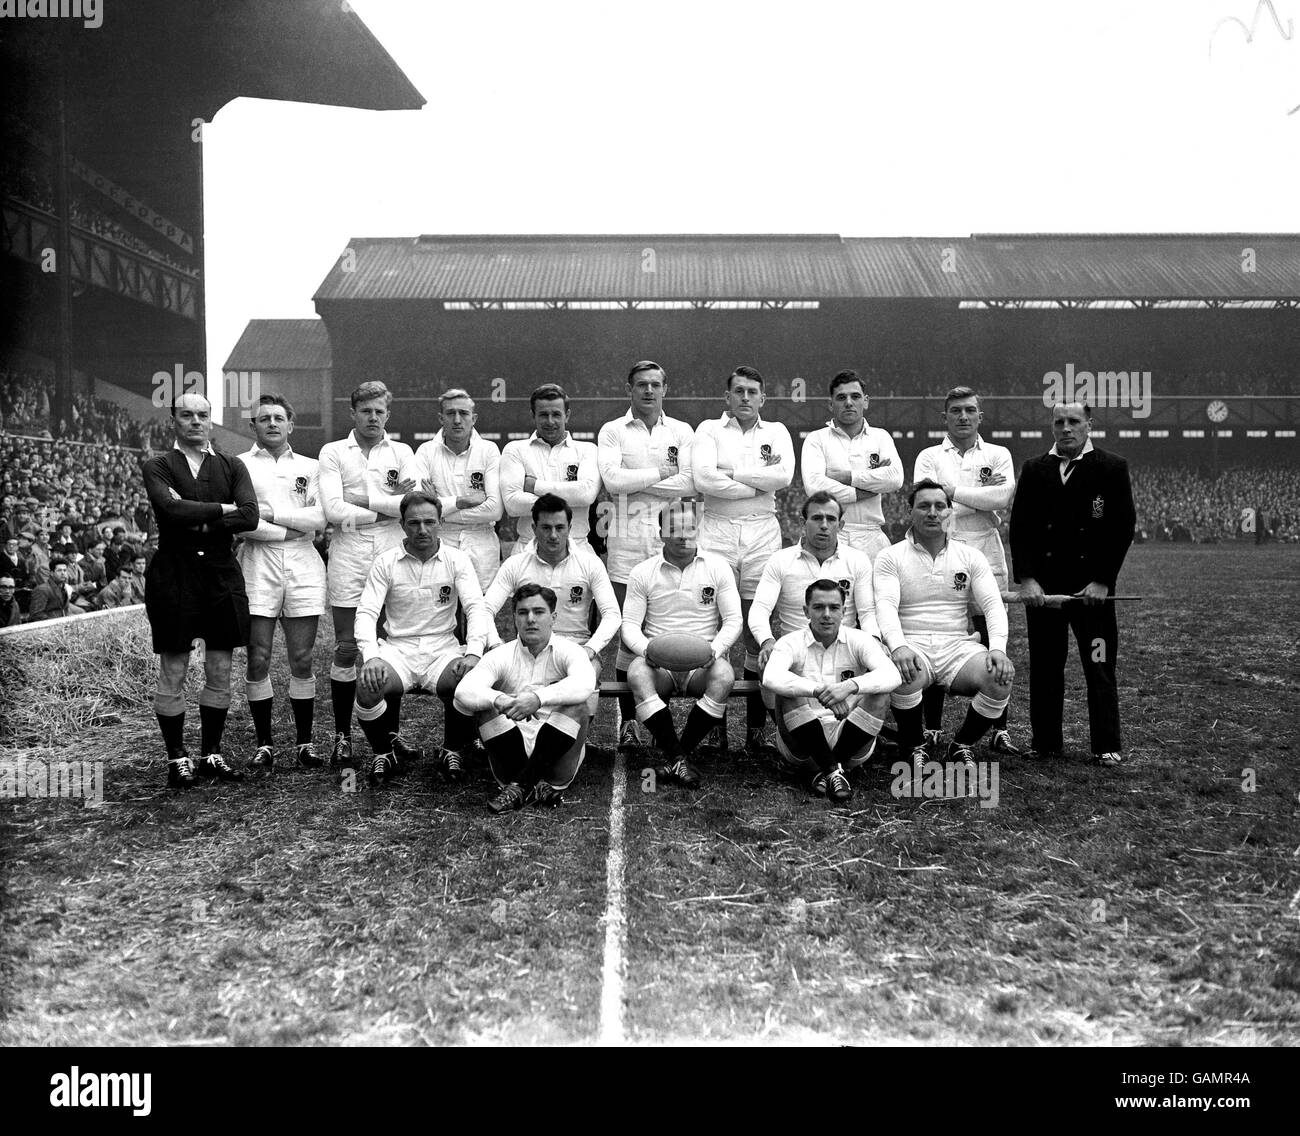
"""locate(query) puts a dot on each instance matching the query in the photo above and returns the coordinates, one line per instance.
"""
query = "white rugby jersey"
(975, 503)
(628, 456)
(578, 581)
(290, 484)
(343, 465)
(569, 470)
(799, 664)
(455, 475)
(701, 599)
(786, 577)
(722, 450)
(920, 597)
(864, 457)
(419, 599)
(560, 674)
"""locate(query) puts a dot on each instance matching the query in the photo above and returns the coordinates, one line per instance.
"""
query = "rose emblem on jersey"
(706, 596)
(672, 455)
(873, 460)
(390, 479)
(444, 594)
(1098, 507)
(986, 474)
(571, 473)
(845, 676)
(300, 486)
(845, 585)
(575, 594)
(476, 479)
(765, 451)
(959, 581)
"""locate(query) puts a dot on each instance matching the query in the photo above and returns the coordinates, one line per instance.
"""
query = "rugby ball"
(678, 651)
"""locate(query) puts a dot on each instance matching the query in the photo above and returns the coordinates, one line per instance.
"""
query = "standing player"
(740, 462)
(363, 478)
(551, 461)
(284, 574)
(644, 459)
(923, 585)
(462, 469)
(854, 462)
(418, 585)
(980, 480)
(832, 686)
(681, 589)
(530, 700)
(195, 589)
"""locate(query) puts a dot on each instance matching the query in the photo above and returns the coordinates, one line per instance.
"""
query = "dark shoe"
(451, 765)
(264, 758)
(511, 797)
(1109, 760)
(214, 765)
(544, 793)
(817, 786)
(383, 766)
(1042, 754)
(920, 755)
(308, 756)
(1002, 743)
(180, 771)
(406, 752)
(682, 772)
(341, 757)
(838, 788)
(957, 751)
(630, 736)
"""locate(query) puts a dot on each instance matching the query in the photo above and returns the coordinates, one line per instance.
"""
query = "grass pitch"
(1152, 904)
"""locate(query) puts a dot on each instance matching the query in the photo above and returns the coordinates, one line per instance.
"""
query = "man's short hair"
(926, 483)
(126, 568)
(55, 561)
(368, 392)
(843, 378)
(527, 591)
(823, 585)
(547, 392)
(821, 497)
(451, 395)
(419, 497)
(119, 529)
(186, 394)
(551, 503)
(139, 556)
(745, 373)
(645, 365)
(6, 582)
(959, 393)
(276, 400)
(1087, 410)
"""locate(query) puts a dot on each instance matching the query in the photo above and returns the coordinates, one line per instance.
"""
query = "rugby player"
(980, 480)
(681, 589)
(855, 462)
(462, 469)
(923, 585)
(739, 462)
(284, 575)
(363, 478)
(832, 685)
(530, 698)
(418, 585)
(644, 458)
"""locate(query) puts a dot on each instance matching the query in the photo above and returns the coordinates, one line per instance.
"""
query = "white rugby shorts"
(746, 543)
(283, 578)
(420, 659)
(945, 656)
(480, 544)
(870, 539)
(351, 555)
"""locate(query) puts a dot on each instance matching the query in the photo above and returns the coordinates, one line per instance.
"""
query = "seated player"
(418, 585)
(530, 700)
(832, 686)
(682, 589)
(922, 588)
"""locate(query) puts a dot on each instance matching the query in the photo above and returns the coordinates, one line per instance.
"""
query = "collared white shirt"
(629, 455)
(195, 466)
(722, 449)
(343, 466)
(975, 503)
(578, 581)
(568, 469)
(700, 599)
(419, 598)
(872, 461)
(560, 674)
(290, 484)
(455, 475)
(799, 664)
(1067, 464)
(786, 577)
(923, 599)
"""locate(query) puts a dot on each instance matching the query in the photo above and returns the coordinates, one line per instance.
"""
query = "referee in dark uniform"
(194, 588)
(1071, 526)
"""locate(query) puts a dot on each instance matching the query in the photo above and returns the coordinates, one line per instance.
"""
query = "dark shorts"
(190, 596)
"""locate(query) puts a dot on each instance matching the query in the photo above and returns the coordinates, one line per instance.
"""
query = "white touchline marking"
(611, 982)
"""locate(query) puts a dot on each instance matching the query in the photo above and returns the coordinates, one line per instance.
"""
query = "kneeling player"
(530, 700)
(832, 686)
(682, 589)
(418, 584)
(922, 586)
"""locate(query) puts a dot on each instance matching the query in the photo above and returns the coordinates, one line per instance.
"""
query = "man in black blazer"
(1071, 525)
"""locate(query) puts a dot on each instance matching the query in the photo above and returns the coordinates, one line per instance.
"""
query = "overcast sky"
(864, 119)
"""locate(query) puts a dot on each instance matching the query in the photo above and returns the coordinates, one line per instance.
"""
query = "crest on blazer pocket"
(476, 479)
(706, 596)
(571, 473)
(444, 594)
(959, 581)
(1098, 507)
(576, 594)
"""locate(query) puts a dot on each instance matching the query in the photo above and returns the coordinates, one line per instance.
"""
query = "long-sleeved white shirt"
(569, 470)
(922, 599)
(975, 504)
(786, 577)
(628, 456)
(864, 457)
(343, 466)
(730, 469)
(290, 484)
(419, 599)
(700, 599)
(455, 475)
(800, 664)
(560, 674)
(578, 581)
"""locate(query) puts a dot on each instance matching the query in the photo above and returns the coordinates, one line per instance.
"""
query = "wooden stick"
(1058, 601)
